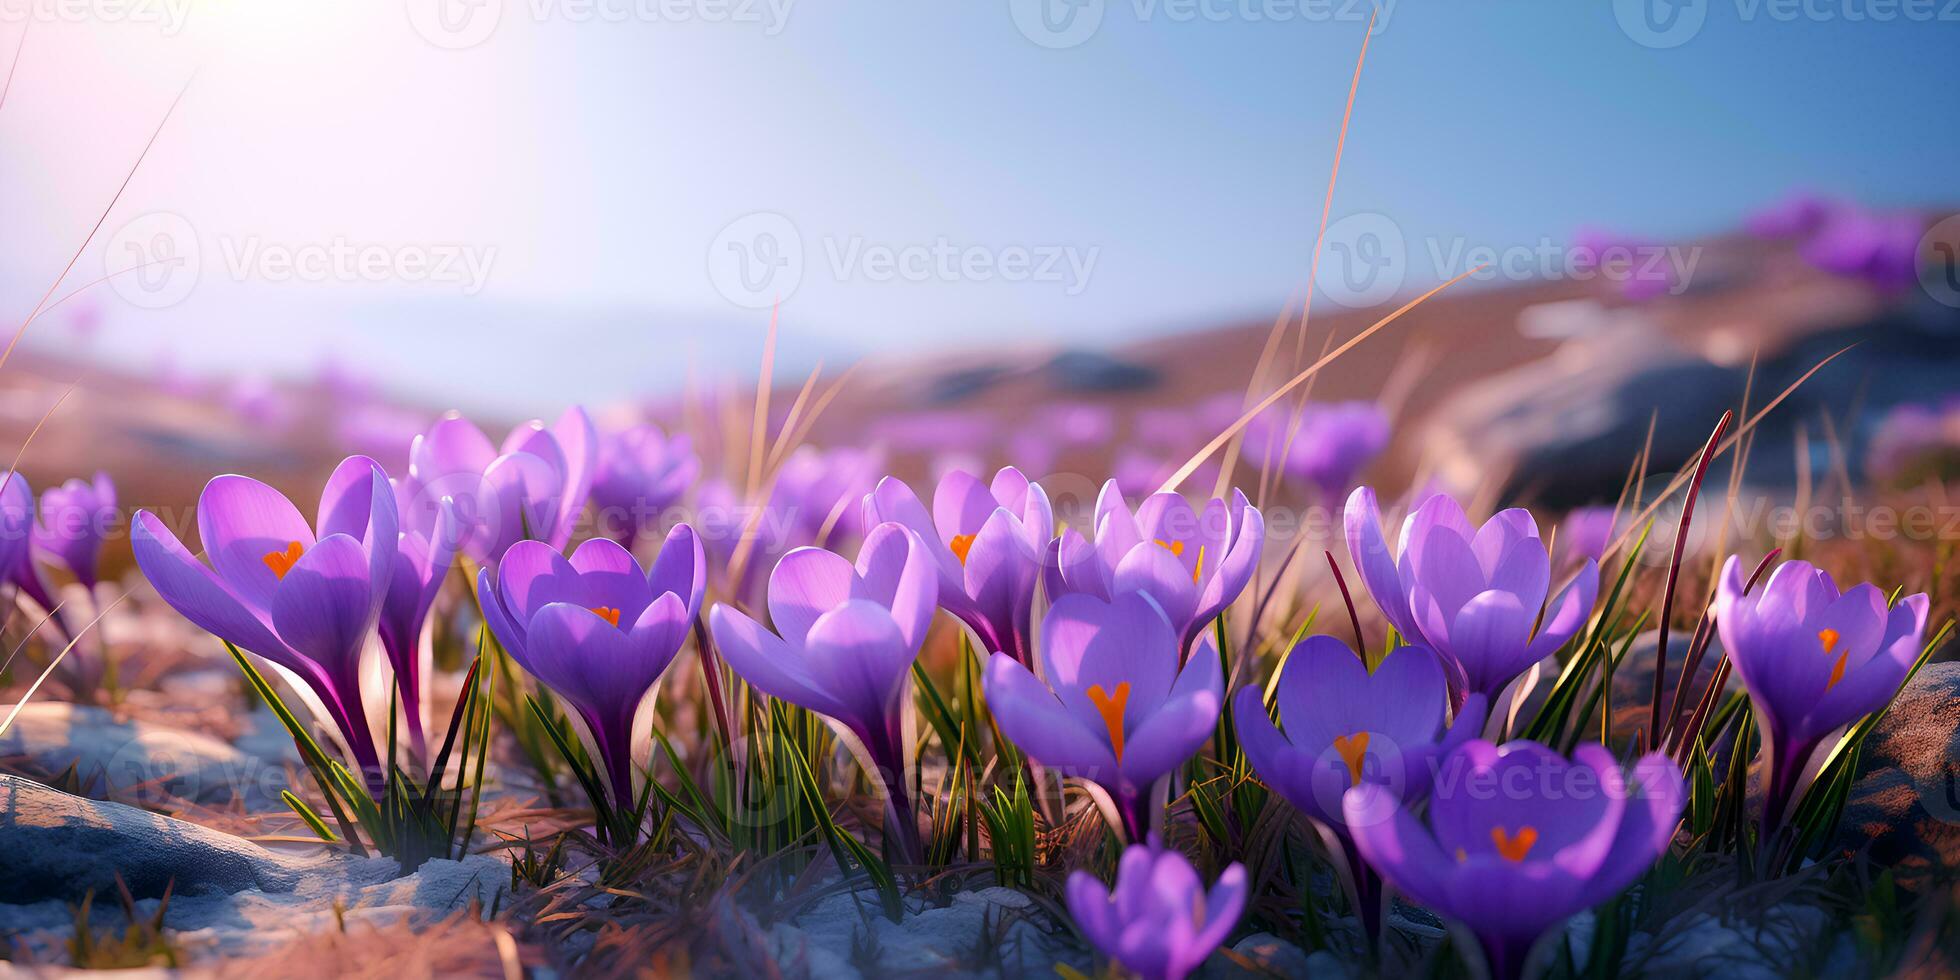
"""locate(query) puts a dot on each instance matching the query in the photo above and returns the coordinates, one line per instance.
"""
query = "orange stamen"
(1354, 751)
(608, 613)
(1198, 568)
(282, 562)
(1111, 709)
(962, 543)
(1174, 547)
(1514, 847)
(1830, 640)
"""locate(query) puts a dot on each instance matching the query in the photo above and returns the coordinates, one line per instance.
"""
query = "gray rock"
(1081, 370)
(1565, 429)
(230, 896)
(139, 760)
(59, 847)
(1905, 806)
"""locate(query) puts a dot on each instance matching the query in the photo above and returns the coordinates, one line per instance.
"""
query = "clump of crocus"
(1159, 921)
(423, 559)
(599, 630)
(844, 641)
(987, 540)
(74, 519)
(641, 472)
(1111, 706)
(1346, 725)
(1193, 564)
(304, 598)
(1474, 595)
(533, 487)
(1519, 838)
(1813, 660)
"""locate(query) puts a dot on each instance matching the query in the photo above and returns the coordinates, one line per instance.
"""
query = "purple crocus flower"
(1334, 441)
(641, 472)
(1519, 838)
(1813, 660)
(534, 486)
(1159, 921)
(986, 540)
(74, 518)
(1193, 564)
(17, 533)
(1111, 706)
(844, 641)
(1470, 594)
(304, 598)
(599, 630)
(423, 560)
(1346, 725)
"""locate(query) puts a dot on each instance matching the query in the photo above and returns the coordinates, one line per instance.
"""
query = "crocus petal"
(532, 574)
(453, 445)
(857, 653)
(195, 592)
(1169, 736)
(1236, 567)
(1567, 613)
(1154, 571)
(1223, 906)
(658, 635)
(999, 579)
(241, 521)
(610, 578)
(1373, 561)
(320, 607)
(893, 500)
(1279, 764)
(1491, 639)
(504, 625)
(1035, 721)
(961, 505)
(578, 441)
(1086, 642)
(767, 663)
(807, 583)
(1398, 847)
(681, 567)
(1646, 829)
(895, 570)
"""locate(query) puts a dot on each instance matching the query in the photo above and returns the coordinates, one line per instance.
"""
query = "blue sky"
(948, 182)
